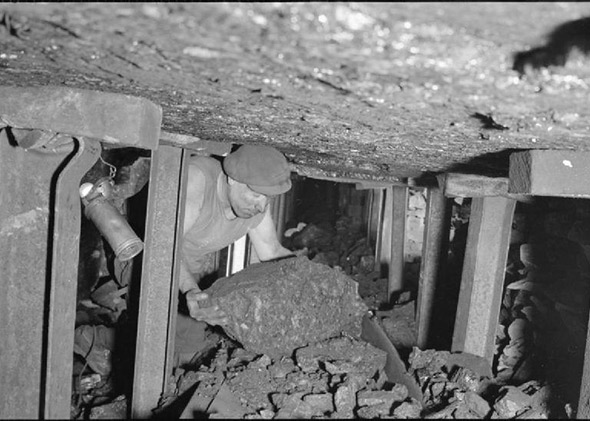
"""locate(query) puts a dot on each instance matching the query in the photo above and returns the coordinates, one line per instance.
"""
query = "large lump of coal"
(276, 307)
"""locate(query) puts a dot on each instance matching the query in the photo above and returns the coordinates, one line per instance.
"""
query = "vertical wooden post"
(373, 215)
(583, 412)
(482, 280)
(158, 300)
(385, 233)
(39, 235)
(377, 214)
(398, 239)
(64, 279)
(434, 251)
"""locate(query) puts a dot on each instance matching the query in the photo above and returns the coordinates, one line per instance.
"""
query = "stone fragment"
(430, 361)
(345, 400)
(378, 381)
(367, 264)
(253, 386)
(263, 362)
(339, 367)
(462, 412)
(276, 307)
(114, 410)
(364, 358)
(374, 411)
(280, 369)
(293, 407)
(466, 379)
(476, 404)
(534, 414)
(410, 409)
(312, 236)
(321, 402)
(263, 414)
(376, 397)
(399, 392)
(511, 402)
(475, 363)
(360, 381)
(540, 398)
(446, 412)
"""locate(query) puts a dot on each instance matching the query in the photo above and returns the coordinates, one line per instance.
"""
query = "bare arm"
(265, 240)
(188, 285)
(195, 189)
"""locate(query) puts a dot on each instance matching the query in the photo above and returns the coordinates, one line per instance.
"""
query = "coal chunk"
(276, 307)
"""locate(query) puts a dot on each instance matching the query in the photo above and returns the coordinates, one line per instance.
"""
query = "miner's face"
(245, 202)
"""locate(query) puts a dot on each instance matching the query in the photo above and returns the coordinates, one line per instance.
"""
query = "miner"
(225, 201)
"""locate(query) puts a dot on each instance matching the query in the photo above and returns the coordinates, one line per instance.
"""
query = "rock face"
(277, 307)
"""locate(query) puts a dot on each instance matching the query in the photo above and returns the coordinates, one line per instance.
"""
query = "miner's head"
(255, 174)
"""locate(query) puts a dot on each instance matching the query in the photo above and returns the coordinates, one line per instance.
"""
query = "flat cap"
(262, 168)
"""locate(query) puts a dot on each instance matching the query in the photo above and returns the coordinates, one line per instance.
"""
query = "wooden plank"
(64, 280)
(193, 143)
(398, 238)
(583, 412)
(377, 213)
(25, 230)
(473, 185)
(173, 303)
(373, 213)
(434, 252)
(482, 279)
(336, 176)
(384, 258)
(159, 280)
(113, 118)
(369, 184)
(550, 173)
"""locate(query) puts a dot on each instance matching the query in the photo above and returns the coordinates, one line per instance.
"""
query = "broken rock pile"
(339, 377)
(279, 306)
(461, 385)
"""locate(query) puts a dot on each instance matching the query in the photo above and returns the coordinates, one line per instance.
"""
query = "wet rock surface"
(279, 306)
(397, 86)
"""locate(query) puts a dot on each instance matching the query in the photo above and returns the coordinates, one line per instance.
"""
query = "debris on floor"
(340, 377)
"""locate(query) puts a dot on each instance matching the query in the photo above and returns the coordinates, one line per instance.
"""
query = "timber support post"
(434, 252)
(482, 279)
(158, 297)
(49, 138)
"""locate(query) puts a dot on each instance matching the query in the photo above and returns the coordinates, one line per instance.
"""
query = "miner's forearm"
(186, 281)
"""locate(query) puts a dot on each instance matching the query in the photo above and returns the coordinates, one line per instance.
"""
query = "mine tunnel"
(427, 254)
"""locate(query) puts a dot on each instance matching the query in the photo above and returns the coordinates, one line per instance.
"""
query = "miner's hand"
(201, 308)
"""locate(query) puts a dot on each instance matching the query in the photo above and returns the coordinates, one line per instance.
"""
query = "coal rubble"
(336, 378)
(461, 385)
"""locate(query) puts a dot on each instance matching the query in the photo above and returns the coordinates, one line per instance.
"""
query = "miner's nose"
(261, 205)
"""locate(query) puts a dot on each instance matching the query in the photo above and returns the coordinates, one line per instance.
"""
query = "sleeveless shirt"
(212, 231)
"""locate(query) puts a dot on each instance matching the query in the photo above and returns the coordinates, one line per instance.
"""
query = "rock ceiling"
(380, 91)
